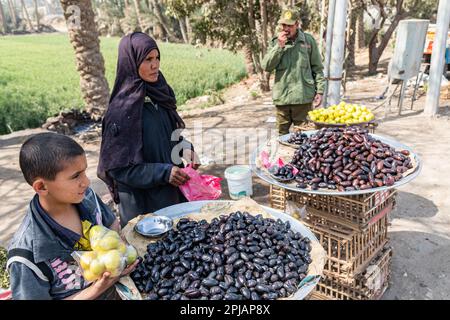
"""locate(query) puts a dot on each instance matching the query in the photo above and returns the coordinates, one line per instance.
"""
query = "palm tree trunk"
(351, 36)
(90, 63)
(138, 14)
(183, 30)
(36, 12)
(161, 19)
(27, 16)
(4, 25)
(263, 8)
(188, 28)
(12, 13)
(360, 33)
(248, 56)
(263, 80)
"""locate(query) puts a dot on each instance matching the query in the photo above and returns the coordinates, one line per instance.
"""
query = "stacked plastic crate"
(353, 231)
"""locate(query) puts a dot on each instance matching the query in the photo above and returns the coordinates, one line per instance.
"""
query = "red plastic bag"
(201, 187)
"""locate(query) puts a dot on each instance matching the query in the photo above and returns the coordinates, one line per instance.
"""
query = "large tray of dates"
(227, 250)
(340, 161)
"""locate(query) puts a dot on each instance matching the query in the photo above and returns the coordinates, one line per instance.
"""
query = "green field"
(38, 76)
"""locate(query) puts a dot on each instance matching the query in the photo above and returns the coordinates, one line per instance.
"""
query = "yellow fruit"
(108, 243)
(95, 245)
(89, 276)
(131, 254)
(86, 259)
(96, 232)
(112, 260)
(122, 248)
(97, 267)
(112, 233)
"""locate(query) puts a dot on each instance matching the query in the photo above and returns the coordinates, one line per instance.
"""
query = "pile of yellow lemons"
(342, 113)
(109, 253)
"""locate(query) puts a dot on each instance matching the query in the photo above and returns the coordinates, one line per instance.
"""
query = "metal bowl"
(341, 125)
(154, 227)
(279, 178)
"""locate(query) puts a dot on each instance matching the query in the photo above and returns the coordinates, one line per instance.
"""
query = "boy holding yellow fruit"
(61, 219)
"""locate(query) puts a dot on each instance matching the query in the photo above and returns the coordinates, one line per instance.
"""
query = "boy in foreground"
(57, 223)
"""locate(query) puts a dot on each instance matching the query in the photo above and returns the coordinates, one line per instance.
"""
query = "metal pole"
(322, 26)
(337, 54)
(328, 43)
(437, 59)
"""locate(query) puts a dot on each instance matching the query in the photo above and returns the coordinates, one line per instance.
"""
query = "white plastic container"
(239, 180)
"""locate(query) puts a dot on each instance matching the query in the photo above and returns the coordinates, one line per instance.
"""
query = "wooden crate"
(357, 212)
(349, 251)
(370, 285)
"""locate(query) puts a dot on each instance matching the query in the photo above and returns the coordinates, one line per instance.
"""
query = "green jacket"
(298, 70)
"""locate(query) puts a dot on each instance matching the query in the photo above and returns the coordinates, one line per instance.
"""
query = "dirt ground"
(420, 226)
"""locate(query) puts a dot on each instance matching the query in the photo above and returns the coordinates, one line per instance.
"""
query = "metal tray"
(153, 227)
(182, 209)
(397, 145)
(341, 125)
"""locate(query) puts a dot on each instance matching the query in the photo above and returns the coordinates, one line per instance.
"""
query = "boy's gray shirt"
(37, 237)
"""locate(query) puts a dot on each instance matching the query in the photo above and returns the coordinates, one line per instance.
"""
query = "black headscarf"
(122, 125)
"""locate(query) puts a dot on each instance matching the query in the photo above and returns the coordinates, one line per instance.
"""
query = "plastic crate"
(357, 212)
(371, 285)
(349, 252)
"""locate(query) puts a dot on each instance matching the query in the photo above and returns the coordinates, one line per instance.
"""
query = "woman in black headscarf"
(141, 145)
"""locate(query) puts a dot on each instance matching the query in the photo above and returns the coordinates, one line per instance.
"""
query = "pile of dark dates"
(348, 159)
(234, 257)
(297, 138)
(283, 173)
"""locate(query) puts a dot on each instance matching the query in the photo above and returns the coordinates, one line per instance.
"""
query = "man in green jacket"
(299, 81)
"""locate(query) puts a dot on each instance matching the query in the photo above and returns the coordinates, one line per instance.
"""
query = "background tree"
(36, 13)
(12, 13)
(90, 64)
(239, 24)
(360, 29)
(3, 22)
(26, 15)
(394, 11)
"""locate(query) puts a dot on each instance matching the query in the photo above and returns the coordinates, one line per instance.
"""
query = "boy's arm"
(96, 289)
(25, 285)
(101, 285)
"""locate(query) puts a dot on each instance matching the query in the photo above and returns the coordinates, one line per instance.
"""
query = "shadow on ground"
(419, 259)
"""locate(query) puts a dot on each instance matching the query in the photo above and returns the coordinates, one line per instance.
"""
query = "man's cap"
(289, 16)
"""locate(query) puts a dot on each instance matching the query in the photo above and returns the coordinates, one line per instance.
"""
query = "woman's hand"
(178, 177)
(191, 158)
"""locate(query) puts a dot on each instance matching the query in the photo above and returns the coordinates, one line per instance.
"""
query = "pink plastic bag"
(279, 163)
(201, 187)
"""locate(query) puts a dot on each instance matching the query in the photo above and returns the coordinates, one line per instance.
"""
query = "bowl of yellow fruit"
(341, 115)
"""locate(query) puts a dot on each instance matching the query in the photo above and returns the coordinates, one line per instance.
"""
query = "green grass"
(38, 76)
(4, 277)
